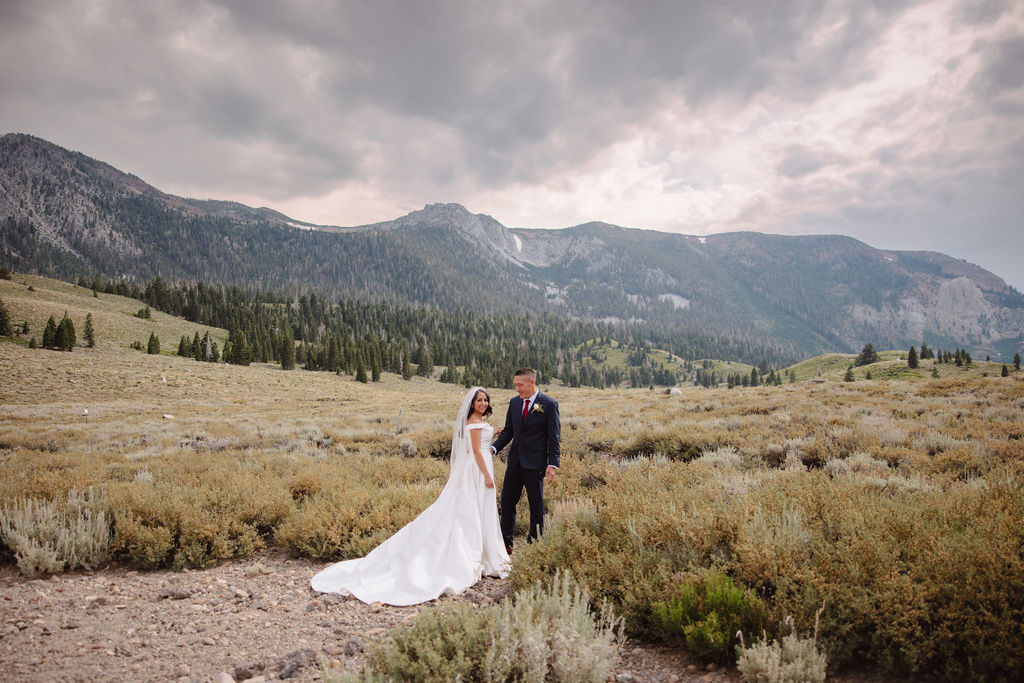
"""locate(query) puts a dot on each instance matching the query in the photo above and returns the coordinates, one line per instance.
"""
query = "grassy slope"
(891, 365)
(113, 316)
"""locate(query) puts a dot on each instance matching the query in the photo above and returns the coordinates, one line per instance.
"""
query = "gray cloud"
(800, 161)
(454, 100)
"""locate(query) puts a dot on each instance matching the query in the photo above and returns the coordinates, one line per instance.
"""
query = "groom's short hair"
(528, 372)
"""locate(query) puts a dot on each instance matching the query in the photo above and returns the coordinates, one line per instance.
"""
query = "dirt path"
(248, 620)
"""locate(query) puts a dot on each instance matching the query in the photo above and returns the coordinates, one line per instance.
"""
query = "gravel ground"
(248, 620)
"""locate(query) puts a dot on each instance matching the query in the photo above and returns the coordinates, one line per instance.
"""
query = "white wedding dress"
(445, 550)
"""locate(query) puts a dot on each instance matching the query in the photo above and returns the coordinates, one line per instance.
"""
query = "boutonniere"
(537, 408)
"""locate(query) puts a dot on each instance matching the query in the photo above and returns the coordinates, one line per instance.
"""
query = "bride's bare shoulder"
(471, 425)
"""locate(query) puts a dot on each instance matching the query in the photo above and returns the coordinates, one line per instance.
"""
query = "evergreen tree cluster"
(960, 357)
(366, 339)
(756, 378)
(60, 337)
(204, 350)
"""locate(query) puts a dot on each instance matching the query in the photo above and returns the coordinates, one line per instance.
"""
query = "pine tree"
(867, 356)
(375, 368)
(1005, 372)
(426, 366)
(912, 358)
(206, 348)
(184, 347)
(5, 321)
(406, 368)
(49, 333)
(286, 352)
(90, 332)
(848, 377)
(240, 352)
(926, 352)
(334, 357)
(1016, 362)
(196, 349)
(66, 339)
(361, 369)
(32, 343)
(153, 347)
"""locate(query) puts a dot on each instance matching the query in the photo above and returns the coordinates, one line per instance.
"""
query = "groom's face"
(524, 385)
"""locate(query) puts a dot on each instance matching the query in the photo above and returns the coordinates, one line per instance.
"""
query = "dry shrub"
(209, 508)
(725, 457)
(791, 659)
(343, 523)
(775, 540)
(544, 633)
(47, 537)
(858, 463)
(577, 511)
(670, 443)
(888, 556)
(891, 571)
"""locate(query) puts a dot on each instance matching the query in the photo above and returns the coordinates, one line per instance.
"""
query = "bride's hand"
(497, 432)
(489, 483)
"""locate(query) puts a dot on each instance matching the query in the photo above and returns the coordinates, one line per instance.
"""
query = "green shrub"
(706, 612)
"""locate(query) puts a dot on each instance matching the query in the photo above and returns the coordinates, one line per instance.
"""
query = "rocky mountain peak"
(476, 226)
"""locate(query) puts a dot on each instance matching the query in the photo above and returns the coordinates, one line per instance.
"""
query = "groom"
(532, 426)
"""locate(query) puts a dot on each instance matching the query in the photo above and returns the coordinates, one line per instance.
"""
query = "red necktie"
(526, 408)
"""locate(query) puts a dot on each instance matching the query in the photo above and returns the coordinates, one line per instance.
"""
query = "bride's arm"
(474, 440)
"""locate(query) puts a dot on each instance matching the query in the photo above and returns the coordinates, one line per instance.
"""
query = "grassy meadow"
(890, 512)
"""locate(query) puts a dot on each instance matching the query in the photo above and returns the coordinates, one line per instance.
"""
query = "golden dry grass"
(861, 495)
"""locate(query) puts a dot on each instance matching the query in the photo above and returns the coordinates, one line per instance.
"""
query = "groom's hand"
(549, 475)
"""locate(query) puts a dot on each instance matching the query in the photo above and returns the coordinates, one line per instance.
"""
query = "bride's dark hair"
(486, 412)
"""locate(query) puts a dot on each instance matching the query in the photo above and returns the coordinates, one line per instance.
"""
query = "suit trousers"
(511, 490)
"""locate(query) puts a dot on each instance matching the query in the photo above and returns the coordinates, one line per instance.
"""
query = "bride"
(451, 544)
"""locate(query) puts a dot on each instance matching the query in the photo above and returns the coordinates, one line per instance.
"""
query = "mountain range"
(66, 215)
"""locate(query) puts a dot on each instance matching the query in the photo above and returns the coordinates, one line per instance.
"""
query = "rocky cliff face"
(954, 311)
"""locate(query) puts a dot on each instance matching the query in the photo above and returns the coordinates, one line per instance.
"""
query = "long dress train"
(445, 550)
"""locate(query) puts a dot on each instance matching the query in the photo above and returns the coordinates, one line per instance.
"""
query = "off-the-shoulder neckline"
(471, 425)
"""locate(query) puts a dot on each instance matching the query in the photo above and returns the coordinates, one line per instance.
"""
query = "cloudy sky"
(899, 123)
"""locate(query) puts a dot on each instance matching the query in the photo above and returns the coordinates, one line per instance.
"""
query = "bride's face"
(480, 403)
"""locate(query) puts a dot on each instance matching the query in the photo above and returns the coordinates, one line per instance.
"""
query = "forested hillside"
(746, 296)
(365, 339)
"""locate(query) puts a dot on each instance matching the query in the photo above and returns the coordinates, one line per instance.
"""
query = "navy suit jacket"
(535, 442)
